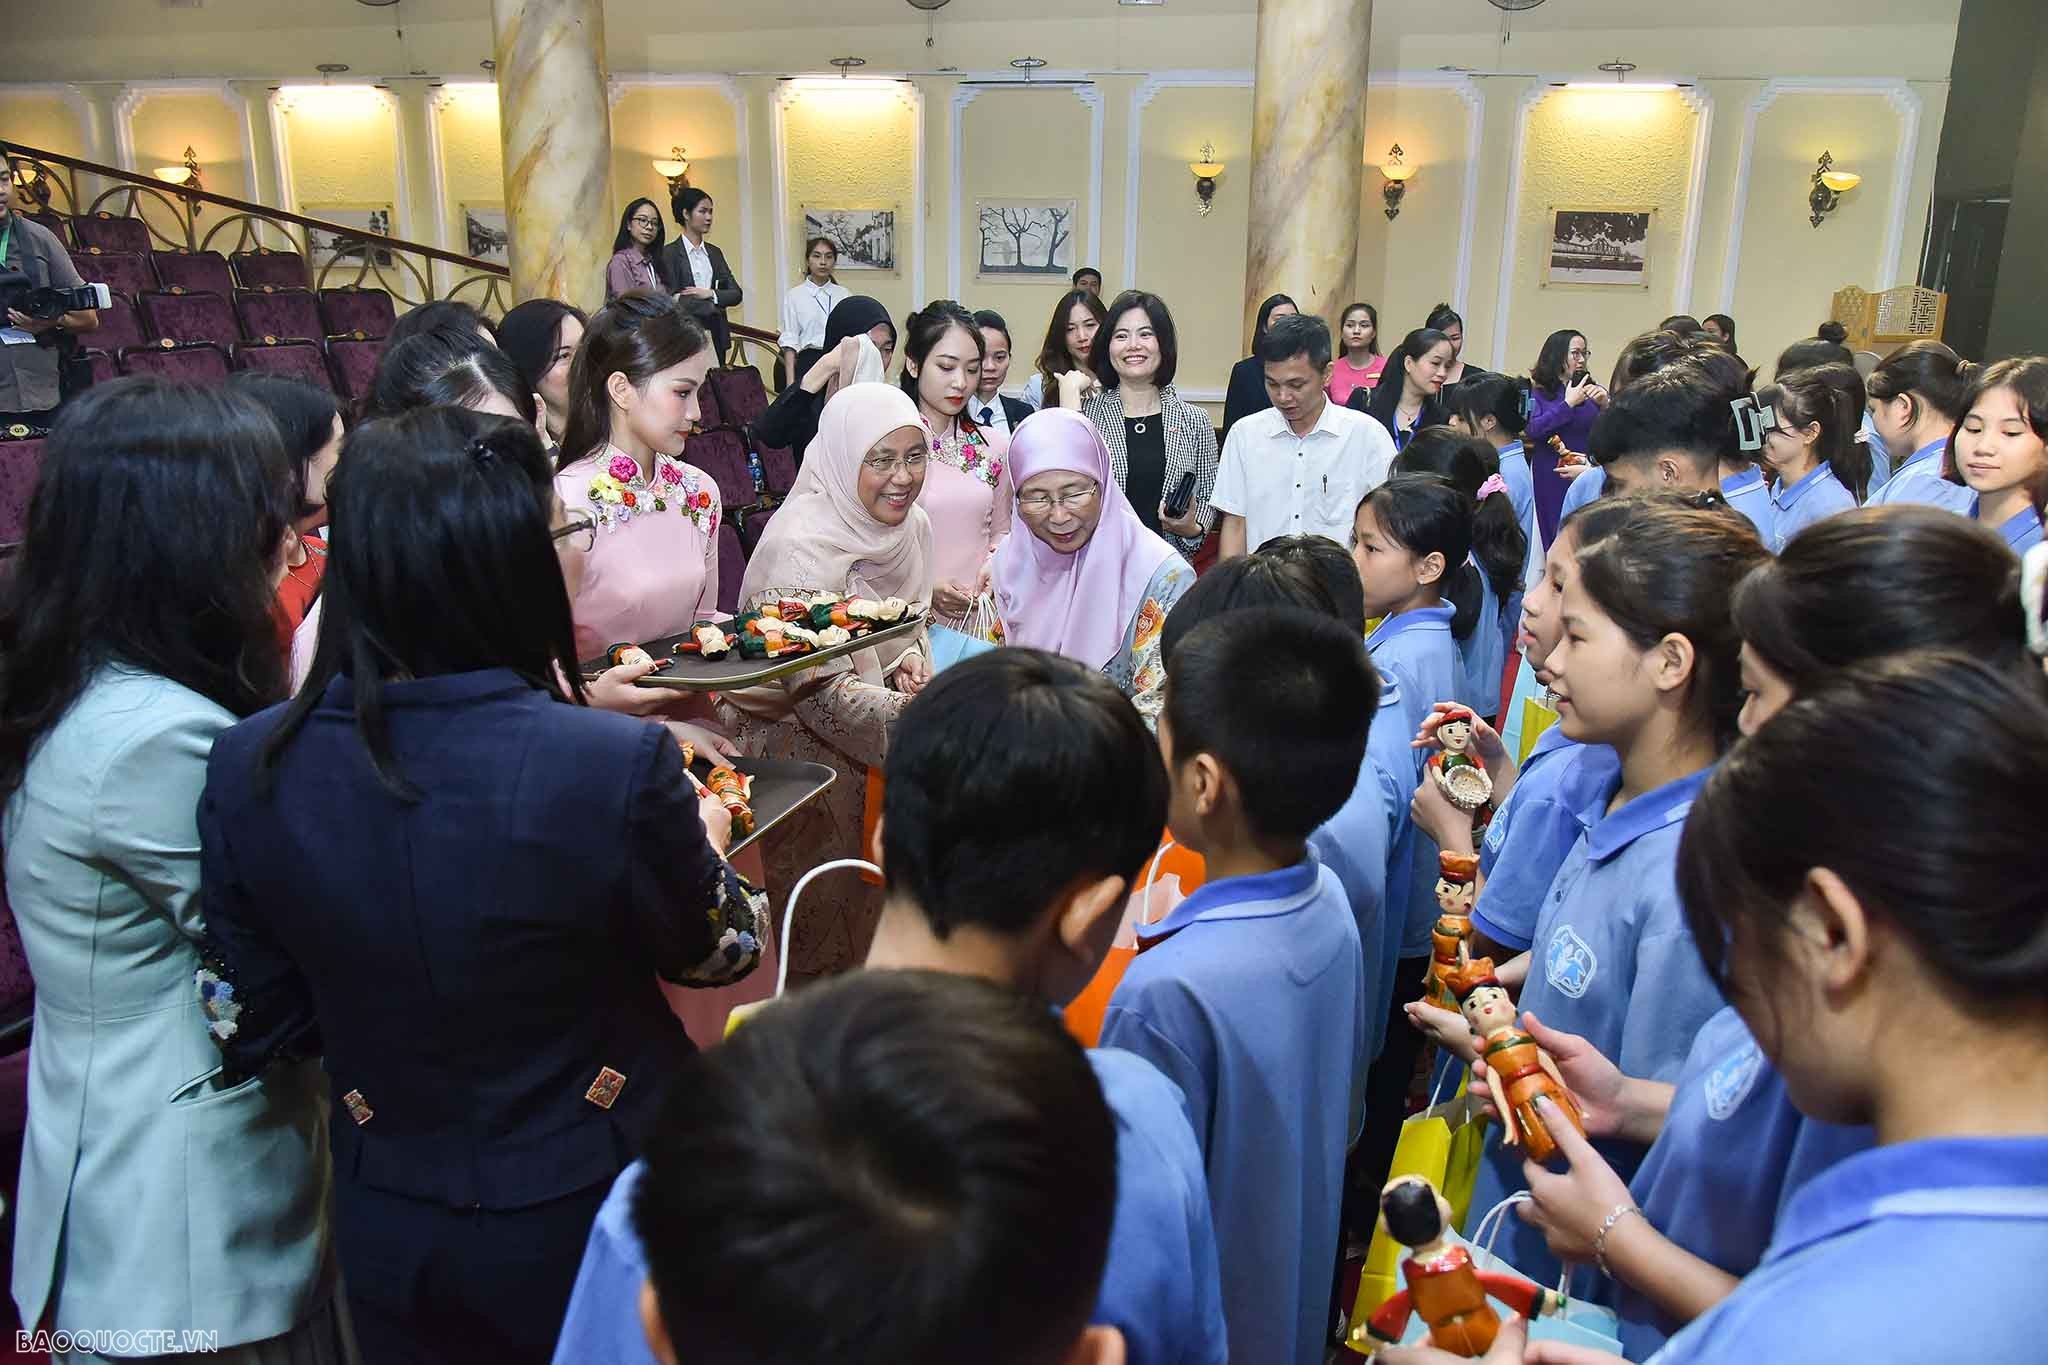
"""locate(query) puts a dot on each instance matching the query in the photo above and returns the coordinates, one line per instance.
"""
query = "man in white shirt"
(1302, 466)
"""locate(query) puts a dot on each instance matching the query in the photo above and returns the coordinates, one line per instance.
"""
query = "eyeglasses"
(580, 532)
(646, 222)
(888, 466)
(1074, 499)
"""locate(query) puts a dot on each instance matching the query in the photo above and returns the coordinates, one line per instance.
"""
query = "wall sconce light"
(185, 177)
(1829, 185)
(1207, 171)
(675, 169)
(1397, 173)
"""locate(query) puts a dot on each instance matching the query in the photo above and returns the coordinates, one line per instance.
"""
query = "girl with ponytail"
(1817, 465)
(1915, 399)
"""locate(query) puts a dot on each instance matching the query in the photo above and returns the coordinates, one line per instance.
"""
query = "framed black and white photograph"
(340, 249)
(1025, 239)
(866, 238)
(1600, 246)
(484, 234)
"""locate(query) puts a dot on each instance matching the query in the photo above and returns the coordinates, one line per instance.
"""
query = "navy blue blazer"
(479, 965)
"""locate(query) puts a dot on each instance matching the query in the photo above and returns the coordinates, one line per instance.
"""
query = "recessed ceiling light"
(846, 64)
(331, 68)
(1027, 63)
(1617, 69)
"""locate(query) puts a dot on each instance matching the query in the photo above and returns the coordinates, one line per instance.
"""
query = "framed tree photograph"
(866, 238)
(1025, 239)
(1600, 246)
(341, 249)
(484, 234)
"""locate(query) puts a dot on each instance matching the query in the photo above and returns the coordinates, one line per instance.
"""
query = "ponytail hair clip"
(1752, 421)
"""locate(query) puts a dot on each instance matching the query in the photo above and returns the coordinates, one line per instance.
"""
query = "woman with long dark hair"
(1409, 395)
(540, 338)
(1069, 340)
(155, 1191)
(311, 428)
(540, 863)
(1444, 318)
(1564, 400)
(1247, 392)
(967, 490)
(636, 251)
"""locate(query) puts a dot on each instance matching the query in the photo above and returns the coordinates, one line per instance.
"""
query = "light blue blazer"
(150, 1198)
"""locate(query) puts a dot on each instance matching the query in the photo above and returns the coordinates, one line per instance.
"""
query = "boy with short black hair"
(1250, 994)
(892, 1168)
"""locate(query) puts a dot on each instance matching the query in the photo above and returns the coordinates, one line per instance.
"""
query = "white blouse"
(804, 310)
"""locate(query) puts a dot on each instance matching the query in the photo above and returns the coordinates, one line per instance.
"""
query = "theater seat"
(104, 366)
(352, 360)
(286, 314)
(124, 272)
(739, 394)
(347, 311)
(723, 455)
(175, 315)
(199, 362)
(294, 359)
(193, 271)
(21, 460)
(732, 566)
(111, 232)
(276, 269)
(120, 327)
(55, 222)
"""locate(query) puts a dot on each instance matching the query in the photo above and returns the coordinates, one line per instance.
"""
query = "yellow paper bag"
(1536, 718)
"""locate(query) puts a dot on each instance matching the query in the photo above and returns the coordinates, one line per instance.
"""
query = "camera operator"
(32, 349)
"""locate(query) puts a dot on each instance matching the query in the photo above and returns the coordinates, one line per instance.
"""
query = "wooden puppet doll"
(1451, 935)
(1516, 1070)
(1443, 1285)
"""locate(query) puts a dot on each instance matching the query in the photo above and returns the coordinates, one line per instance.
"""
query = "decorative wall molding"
(965, 94)
(1904, 100)
(281, 101)
(616, 89)
(1134, 162)
(132, 97)
(1701, 101)
(1538, 91)
(912, 98)
(1467, 90)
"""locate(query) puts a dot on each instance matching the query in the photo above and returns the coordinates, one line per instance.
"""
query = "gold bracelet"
(1615, 1215)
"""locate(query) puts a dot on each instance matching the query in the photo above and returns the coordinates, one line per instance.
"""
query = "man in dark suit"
(704, 283)
(988, 407)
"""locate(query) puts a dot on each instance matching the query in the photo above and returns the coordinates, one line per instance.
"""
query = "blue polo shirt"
(1880, 453)
(1817, 494)
(1483, 654)
(1613, 961)
(1748, 494)
(1534, 830)
(1249, 997)
(1160, 1287)
(1356, 844)
(2021, 530)
(1732, 1151)
(1919, 479)
(1415, 648)
(1514, 472)
(1583, 490)
(1928, 1250)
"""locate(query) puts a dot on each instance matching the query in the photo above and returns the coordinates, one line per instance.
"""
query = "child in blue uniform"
(2001, 455)
(1410, 534)
(1731, 1149)
(1818, 466)
(1914, 400)
(1487, 588)
(1894, 982)
(1495, 408)
(1248, 995)
(1024, 797)
(1648, 664)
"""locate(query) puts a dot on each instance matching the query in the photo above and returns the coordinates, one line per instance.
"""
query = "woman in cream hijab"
(851, 526)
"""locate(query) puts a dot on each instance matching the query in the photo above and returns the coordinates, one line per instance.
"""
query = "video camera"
(22, 295)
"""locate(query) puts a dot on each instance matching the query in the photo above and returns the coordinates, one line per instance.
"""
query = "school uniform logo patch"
(1729, 1083)
(1569, 962)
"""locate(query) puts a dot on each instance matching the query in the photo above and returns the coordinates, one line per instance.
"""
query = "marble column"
(554, 119)
(1308, 153)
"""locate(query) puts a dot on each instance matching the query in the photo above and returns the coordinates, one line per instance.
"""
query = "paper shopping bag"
(1431, 1146)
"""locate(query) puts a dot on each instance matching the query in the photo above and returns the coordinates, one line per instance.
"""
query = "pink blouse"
(629, 268)
(1344, 377)
(654, 568)
(969, 503)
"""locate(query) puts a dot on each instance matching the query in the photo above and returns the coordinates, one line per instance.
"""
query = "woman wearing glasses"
(1089, 581)
(652, 569)
(636, 252)
(852, 526)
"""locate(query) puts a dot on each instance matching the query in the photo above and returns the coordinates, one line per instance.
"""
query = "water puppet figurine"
(1443, 1285)
(1450, 937)
(1515, 1069)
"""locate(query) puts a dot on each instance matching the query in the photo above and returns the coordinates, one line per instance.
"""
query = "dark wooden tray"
(688, 673)
(781, 787)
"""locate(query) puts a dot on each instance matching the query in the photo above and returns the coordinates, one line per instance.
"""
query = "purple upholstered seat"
(740, 395)
(111, 232)
(282, 313)
(193, 271)
(723, 455)
(21, 460)
(104, 366)
(353, 363)
(55, 222)
(345, 311)
(732, 566)
(124, 272)
(296, 359)
(198, 362)
(278, 269)
(120, 326)
(175, 315)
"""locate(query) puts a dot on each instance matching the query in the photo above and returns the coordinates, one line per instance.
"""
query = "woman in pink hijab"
(851, 525)
(1089, 581)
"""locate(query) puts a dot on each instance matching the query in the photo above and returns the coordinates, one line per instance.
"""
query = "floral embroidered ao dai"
(967, 495)
(654, 568)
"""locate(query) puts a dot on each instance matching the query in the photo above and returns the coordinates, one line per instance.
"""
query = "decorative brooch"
(618, 493)
(967, 450)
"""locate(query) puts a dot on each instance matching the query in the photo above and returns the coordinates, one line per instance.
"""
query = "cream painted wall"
(162, 124)
(340, 146)
(650, 120)
(1021, 144)
(1408, 265)
(472, 156)
(849, 145)
(1596, 149)
(1788, 270)
(42, 117)
(1196, 264)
